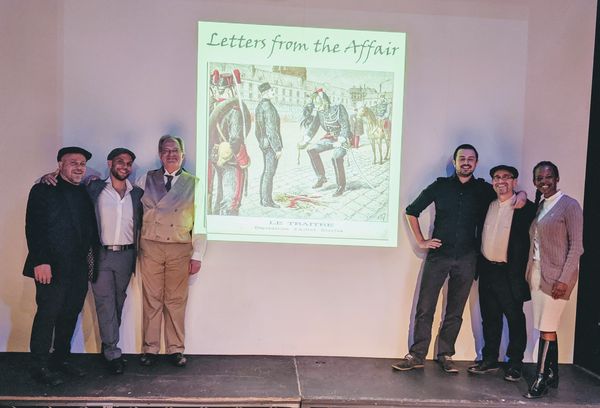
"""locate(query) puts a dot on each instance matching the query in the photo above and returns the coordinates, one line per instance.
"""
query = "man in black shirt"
(61, 230)
(460, 202)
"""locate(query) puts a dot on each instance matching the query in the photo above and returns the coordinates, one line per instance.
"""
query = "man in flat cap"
(460, 203)
(268, 135)
(501, 268)
(61, 232)
(119, 214)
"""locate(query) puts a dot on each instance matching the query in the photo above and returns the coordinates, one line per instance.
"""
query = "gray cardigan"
(560, 234)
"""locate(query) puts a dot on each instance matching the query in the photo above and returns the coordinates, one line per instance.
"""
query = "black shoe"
(484, 367)
(148, 359)
(69, 369)
(339, 191)
(320, 182)
(178, 359)
(513, 374)
(45, 376)
(269, 204)
(116, 366)
(447, 364)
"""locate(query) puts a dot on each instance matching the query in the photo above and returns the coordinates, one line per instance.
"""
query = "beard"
(465, 172)
(116, 175)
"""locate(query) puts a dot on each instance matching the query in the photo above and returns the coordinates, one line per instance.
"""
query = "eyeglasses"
(503, 177)
(170, 151)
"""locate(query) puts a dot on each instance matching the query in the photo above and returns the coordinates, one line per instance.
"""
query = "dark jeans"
(495, 300)
(58, 306)
(460, 272)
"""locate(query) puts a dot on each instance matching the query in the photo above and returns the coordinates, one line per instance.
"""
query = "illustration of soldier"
(357, 128)
(334, 120)
(383, 110)
(229, 124)
(268, 134)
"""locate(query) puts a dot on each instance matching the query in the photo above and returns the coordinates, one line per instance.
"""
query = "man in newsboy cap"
(61, 232)
(501, 269)
(118, 210)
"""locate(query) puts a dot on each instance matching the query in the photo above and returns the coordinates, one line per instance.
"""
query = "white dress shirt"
(115, 215)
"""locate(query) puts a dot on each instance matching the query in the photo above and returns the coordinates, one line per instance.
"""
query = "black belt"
(495, 263)
(118, 248)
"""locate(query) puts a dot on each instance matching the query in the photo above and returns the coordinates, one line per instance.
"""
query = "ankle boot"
(552, 364)
(539, 387)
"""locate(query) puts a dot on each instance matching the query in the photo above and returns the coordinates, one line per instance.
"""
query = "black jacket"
(61, 229)
(518, 250)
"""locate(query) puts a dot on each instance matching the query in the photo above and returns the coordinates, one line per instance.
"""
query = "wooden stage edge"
(285, 382)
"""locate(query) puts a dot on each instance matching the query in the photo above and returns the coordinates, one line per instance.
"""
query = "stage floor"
(284, 381)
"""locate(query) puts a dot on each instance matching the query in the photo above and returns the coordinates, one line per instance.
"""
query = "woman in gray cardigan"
(556, 245)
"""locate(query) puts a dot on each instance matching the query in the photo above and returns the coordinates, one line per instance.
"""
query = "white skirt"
(546, 309)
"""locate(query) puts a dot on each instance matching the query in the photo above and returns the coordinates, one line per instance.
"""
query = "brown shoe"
(408, 363)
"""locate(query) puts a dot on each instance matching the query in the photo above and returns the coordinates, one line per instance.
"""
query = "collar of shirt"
(174, 174)
(507, 202)
(466, 183)
(127, 183)
(553, 197)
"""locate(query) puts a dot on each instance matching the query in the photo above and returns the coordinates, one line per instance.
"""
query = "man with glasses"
(169, 253)
(461, 201)
(501, 268)
(61, 231)
(119, 214)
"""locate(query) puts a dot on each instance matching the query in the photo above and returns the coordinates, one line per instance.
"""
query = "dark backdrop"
(587, 330)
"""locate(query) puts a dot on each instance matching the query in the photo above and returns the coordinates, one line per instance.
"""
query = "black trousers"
(58, 306)
(496, 300)
(460, 272)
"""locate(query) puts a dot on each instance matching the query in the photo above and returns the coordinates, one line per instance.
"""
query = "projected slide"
(299, 134)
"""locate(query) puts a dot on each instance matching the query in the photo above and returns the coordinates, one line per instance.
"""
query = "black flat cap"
(120, 150)
(73, 149)
(510, 169)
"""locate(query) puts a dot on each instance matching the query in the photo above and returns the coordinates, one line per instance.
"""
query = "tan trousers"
(165, 274)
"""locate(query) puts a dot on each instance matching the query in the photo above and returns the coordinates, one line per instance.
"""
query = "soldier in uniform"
(268, 134)
(229, 124)
(334, 120)
(383, 111)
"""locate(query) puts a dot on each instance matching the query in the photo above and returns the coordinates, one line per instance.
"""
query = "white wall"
(30, 85)
(510, 76)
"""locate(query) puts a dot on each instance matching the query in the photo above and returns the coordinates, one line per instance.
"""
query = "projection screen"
(299, 134)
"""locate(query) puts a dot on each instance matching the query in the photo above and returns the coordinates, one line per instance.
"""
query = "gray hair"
(176, 139)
